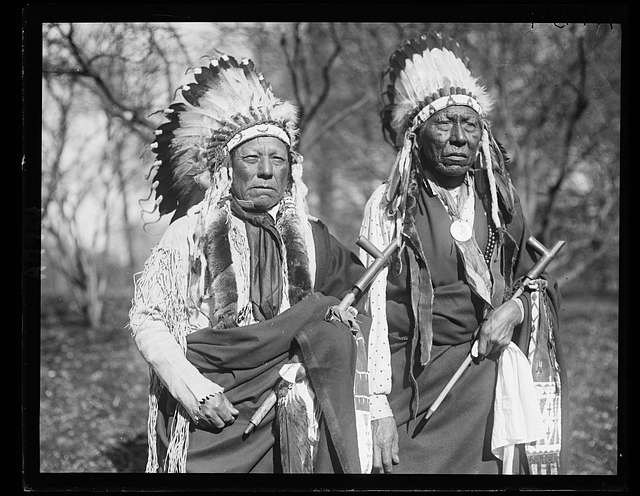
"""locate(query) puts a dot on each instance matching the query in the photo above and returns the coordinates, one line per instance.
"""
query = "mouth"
(455, 159)
(262, 188)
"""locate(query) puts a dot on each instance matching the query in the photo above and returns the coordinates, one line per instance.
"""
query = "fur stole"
(226, 253)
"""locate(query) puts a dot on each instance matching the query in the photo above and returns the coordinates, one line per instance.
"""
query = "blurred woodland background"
(557, 93)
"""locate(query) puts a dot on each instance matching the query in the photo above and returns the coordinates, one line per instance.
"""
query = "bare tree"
(554, 125)
(75, 260)
(301, 69)
(104, 75)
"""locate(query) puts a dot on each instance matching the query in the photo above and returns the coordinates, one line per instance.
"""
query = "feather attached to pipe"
(293, 428)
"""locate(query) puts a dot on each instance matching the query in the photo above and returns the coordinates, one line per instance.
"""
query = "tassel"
(162, 272)
(398, 182)
(176, 460)
(154, 393)
(293, 427)
(486, 151)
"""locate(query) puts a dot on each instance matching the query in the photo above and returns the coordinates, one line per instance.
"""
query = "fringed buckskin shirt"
(172, 301)
(338, 269)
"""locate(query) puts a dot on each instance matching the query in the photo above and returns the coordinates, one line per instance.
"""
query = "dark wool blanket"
(245, 361)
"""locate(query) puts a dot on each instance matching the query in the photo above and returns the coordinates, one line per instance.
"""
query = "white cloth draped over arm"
(517, 417)
(379, 354)
(164, 281)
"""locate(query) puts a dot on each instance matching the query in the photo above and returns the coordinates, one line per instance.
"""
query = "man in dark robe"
(241, 279)
(465, 248)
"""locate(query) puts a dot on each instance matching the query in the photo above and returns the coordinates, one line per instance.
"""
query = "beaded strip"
(491, 242)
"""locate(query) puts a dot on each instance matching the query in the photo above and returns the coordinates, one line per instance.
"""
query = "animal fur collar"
(222, 274)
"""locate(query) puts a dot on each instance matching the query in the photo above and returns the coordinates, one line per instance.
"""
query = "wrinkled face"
(449, 141)
(260, 171)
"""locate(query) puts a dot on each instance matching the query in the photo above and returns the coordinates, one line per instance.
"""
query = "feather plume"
(293, 427)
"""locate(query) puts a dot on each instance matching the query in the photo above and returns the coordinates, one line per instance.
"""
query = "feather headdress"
(426, 75)
(227, 104)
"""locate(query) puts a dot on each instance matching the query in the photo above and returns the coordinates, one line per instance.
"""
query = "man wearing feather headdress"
(241, 275)
(450, 200)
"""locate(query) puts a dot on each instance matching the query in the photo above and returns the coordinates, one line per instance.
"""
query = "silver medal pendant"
(460, 230)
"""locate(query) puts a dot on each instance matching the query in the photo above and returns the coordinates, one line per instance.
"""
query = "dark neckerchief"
(265, 257)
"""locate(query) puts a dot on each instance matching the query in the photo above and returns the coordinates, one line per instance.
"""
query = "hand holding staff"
(534, 273)
(356, 291)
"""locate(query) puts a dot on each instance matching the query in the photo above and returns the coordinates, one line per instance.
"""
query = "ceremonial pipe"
(381, 259)
(536, 270)
(268, 402)
(261, 412)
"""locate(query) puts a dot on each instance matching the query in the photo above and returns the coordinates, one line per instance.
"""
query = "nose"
(265, 168)
(458, 136)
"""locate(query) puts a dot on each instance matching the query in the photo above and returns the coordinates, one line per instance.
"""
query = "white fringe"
(164, 279)
(166, 273)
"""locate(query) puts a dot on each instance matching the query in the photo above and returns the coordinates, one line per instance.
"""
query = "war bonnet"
(227, 104)
(426, 75)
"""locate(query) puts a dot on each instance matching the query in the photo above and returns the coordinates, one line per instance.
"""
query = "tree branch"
(127, 114)
(580, 105)
(301, 61)
(327, 126)
(167, 64)
(293, 75)
(587, 261)
(63, 128)
(178, 40)
(326, 79)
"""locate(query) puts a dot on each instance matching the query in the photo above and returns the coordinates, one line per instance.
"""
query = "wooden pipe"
(381, 259)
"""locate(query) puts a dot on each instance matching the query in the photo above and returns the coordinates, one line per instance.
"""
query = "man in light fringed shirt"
(241, 278)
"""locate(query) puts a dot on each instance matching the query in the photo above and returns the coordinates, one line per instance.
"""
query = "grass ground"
(589, 327)
(93, 386)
